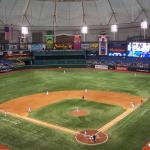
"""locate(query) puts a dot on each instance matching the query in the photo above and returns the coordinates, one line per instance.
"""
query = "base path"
(22, 105)
(115, 121)
(42, 123)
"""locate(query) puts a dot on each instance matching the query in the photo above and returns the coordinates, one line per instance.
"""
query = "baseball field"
(42, 109)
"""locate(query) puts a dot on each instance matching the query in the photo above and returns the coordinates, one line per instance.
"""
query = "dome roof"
(73, 13)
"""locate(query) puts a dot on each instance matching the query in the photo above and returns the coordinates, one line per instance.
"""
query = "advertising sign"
(117, 48)
(103, 67)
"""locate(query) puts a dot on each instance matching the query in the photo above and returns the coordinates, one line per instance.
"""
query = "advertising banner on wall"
(103, 67)
(103, 45)
(143, 69)
(122, 68)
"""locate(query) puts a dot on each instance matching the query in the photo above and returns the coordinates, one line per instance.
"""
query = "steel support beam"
(113, 11)
(143, 10)
(24, 16)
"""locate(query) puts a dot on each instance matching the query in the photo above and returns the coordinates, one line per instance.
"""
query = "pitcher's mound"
(86, 137)
(3, 147)
(78, 113)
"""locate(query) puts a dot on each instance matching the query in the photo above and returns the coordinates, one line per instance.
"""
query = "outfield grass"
(25, 83)
(129, 134)
(59, 113)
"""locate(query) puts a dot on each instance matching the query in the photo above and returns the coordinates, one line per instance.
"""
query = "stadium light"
(114, 29)
(144, 26)
(84, 30)
(24, 30)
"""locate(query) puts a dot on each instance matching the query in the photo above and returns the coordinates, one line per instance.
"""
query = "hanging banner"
(64, 41)
(23, 42)
(49, 41)
(77, 40)
(103, 45)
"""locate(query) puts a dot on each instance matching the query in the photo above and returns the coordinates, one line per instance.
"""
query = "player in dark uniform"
(83, 97)
(94, 138)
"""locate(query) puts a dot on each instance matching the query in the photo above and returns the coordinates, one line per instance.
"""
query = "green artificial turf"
(129, 134)
(59, 113)
(28, 82)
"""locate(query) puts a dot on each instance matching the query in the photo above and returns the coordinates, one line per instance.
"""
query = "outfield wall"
(122, 68)
(60, 58)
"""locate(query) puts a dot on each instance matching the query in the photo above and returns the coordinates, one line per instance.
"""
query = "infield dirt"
(22, 105)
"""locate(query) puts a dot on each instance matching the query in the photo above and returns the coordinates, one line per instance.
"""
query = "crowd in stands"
(121, 61)
(5, 65)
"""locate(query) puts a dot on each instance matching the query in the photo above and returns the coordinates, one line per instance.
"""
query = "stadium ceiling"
(73, 13)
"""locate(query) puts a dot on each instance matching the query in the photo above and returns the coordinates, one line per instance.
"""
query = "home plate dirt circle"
(86, 137)
(3, 147)
(78, 112)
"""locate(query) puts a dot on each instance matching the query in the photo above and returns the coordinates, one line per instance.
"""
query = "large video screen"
(139, 49)
(117, 48)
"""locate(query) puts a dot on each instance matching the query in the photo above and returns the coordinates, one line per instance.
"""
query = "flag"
(7, 33)
(11, 32)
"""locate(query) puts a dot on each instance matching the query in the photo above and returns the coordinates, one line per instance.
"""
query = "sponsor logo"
(105, 67)
(122, 68)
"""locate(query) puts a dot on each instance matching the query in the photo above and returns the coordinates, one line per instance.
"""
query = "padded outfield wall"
(60, 58)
